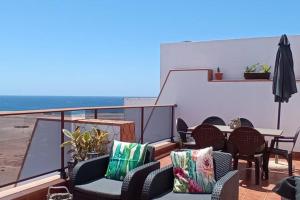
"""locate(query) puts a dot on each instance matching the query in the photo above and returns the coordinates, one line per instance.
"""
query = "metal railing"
(152, 123)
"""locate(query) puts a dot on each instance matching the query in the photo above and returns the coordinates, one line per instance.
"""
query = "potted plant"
(85, 145)
(218, 74)
(98, 142)
(251, 71)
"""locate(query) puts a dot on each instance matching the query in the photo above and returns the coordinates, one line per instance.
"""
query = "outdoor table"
(264, 131)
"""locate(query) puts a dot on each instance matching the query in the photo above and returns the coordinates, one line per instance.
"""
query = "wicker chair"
(246, 123)
(182, 130)
(159, 183)
(248, 144)
(90, 184)
(214, 120)
(207, 135)
(287, 154)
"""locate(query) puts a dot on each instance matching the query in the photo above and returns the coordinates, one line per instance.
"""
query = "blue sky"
(111, 48)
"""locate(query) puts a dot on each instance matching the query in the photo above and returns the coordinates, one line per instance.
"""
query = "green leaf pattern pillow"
(125, 157)
(193, 171)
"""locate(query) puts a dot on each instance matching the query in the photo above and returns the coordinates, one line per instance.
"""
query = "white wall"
(197, 98)
(232, 56)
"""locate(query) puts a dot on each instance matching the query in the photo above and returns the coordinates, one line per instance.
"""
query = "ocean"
(16, 103)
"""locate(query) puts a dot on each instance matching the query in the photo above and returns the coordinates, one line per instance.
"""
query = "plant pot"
(257, 75)
(218, 75)
(71, 165)
(91, 155)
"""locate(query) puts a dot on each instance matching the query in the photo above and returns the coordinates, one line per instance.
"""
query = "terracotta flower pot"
(218, 75)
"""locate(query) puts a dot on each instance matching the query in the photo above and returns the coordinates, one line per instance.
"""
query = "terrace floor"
(248, 190)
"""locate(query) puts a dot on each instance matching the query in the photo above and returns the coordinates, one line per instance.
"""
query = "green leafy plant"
(99, 141)
(75, 143)
(84, 142)
(251, 68)
(265, 68)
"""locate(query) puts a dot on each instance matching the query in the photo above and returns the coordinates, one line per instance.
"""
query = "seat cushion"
(180, 196)
(101, 188)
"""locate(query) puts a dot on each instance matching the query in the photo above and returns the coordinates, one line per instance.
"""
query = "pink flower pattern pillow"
(193, 171)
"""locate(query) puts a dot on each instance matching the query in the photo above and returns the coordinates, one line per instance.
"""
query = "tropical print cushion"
(125, 157)
(193, 171)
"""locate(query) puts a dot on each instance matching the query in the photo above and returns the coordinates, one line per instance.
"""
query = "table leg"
(277, 145)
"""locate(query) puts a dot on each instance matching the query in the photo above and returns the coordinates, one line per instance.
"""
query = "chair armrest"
(158, 182)
(185, 132)
(227, 187)
(286, 137)
(285, 140)
(89, 170)
(133, 183)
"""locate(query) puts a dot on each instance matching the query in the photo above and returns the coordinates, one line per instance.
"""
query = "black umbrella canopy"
(284, 82)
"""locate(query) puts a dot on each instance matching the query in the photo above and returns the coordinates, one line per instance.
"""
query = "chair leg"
(249, 163)
(290, 164)
(235, 163)
(266, 157)
(257, 170)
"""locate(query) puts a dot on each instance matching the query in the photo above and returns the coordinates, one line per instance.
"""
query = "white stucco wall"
(232, 56)
(197, 98)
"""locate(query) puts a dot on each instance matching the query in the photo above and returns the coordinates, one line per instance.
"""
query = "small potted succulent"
(263, 73)
(218, 74)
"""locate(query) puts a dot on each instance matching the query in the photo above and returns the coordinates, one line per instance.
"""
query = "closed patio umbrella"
(284, 82)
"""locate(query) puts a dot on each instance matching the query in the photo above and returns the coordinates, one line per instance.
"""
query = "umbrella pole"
(278, 126)
(278, 117)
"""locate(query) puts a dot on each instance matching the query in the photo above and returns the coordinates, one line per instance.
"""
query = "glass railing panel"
(157, 123)
(43, 152)
(134, 115)
(29, 146)
(111, 114)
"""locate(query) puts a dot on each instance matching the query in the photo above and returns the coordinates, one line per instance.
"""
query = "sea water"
(17, 103)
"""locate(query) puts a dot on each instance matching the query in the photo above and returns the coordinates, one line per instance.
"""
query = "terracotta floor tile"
(273, 196)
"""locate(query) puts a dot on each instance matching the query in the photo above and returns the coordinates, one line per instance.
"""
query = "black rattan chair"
(207, 135)
(246, 123)
(287, 154)
(89, 183)
(214, 120)
(288, 188)
(159, 183)
(248, 144)
(182, 130)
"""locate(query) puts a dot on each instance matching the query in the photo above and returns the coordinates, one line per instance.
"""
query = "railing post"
(172, 124)
(95, 114)
(62, 151)
(142, 125)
